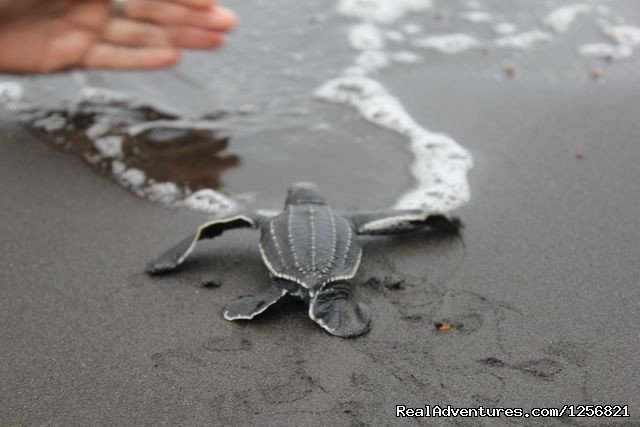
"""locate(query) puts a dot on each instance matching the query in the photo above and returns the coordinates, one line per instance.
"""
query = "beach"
(539, 293)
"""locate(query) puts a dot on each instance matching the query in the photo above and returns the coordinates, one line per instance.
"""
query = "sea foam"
(561, 18)
(448, 43)
(524, 40)
(440, 164)
(105, 120)
(381, 11)
(625, 38)
(10, 92)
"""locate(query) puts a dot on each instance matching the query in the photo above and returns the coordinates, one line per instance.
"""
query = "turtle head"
(304, 193)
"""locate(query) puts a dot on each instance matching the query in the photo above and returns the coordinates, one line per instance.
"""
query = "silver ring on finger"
(119, 7)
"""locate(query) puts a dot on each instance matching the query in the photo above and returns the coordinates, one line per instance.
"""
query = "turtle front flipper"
(401, 221)
(246, 308)
(335, 309)
(175, 256)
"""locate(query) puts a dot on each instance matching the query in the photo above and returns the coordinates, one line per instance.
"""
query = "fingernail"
(222, 18)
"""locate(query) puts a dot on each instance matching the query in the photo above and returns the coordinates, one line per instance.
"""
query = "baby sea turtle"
(311, 252)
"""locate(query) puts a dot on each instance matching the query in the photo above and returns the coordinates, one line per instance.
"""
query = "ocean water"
(303, 91)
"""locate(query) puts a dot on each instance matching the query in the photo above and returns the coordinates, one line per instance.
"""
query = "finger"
(124, 31)
(104, 55)
(135, 33)
(195, 38)
(201, 4)
(167, 13)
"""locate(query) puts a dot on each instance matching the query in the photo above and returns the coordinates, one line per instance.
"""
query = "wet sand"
(541, 290)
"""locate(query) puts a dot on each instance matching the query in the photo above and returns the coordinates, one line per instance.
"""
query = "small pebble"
(510, 71)
(444, 327)
(211, 284)
(596, 73)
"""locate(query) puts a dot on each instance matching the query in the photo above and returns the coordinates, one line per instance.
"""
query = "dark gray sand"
(541, 291)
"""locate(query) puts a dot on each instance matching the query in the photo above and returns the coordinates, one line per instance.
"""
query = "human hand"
(44, 36)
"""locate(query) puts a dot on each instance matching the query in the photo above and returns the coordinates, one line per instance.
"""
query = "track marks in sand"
(573, 352)
(470, 312)
(577, 357)
(256, 374)
(423, 305)
(541, 368)
(414, 301)
(416, 370)
(450, 365)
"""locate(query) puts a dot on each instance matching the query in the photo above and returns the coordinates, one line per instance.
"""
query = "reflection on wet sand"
(154, 154)
(190, 158)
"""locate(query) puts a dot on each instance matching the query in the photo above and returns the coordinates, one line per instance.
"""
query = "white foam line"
(208, 200)
(560, 19)
(441, 164)
(10, 92)
(625, 37)
(524, 40)
(412, 29)
(448, 43)
(505, 28)
(405, 57)
(371, 60)
(381, 11)
(366, 36)
(477, 16)
(109, 147)
(98, 95)
(605, 51)
(106, 136)
(51, 123)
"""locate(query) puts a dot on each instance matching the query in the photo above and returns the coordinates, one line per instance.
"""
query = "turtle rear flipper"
(335, 309)
(246, 308)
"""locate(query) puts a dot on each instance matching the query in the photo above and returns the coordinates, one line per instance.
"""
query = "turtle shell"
(310, 245)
